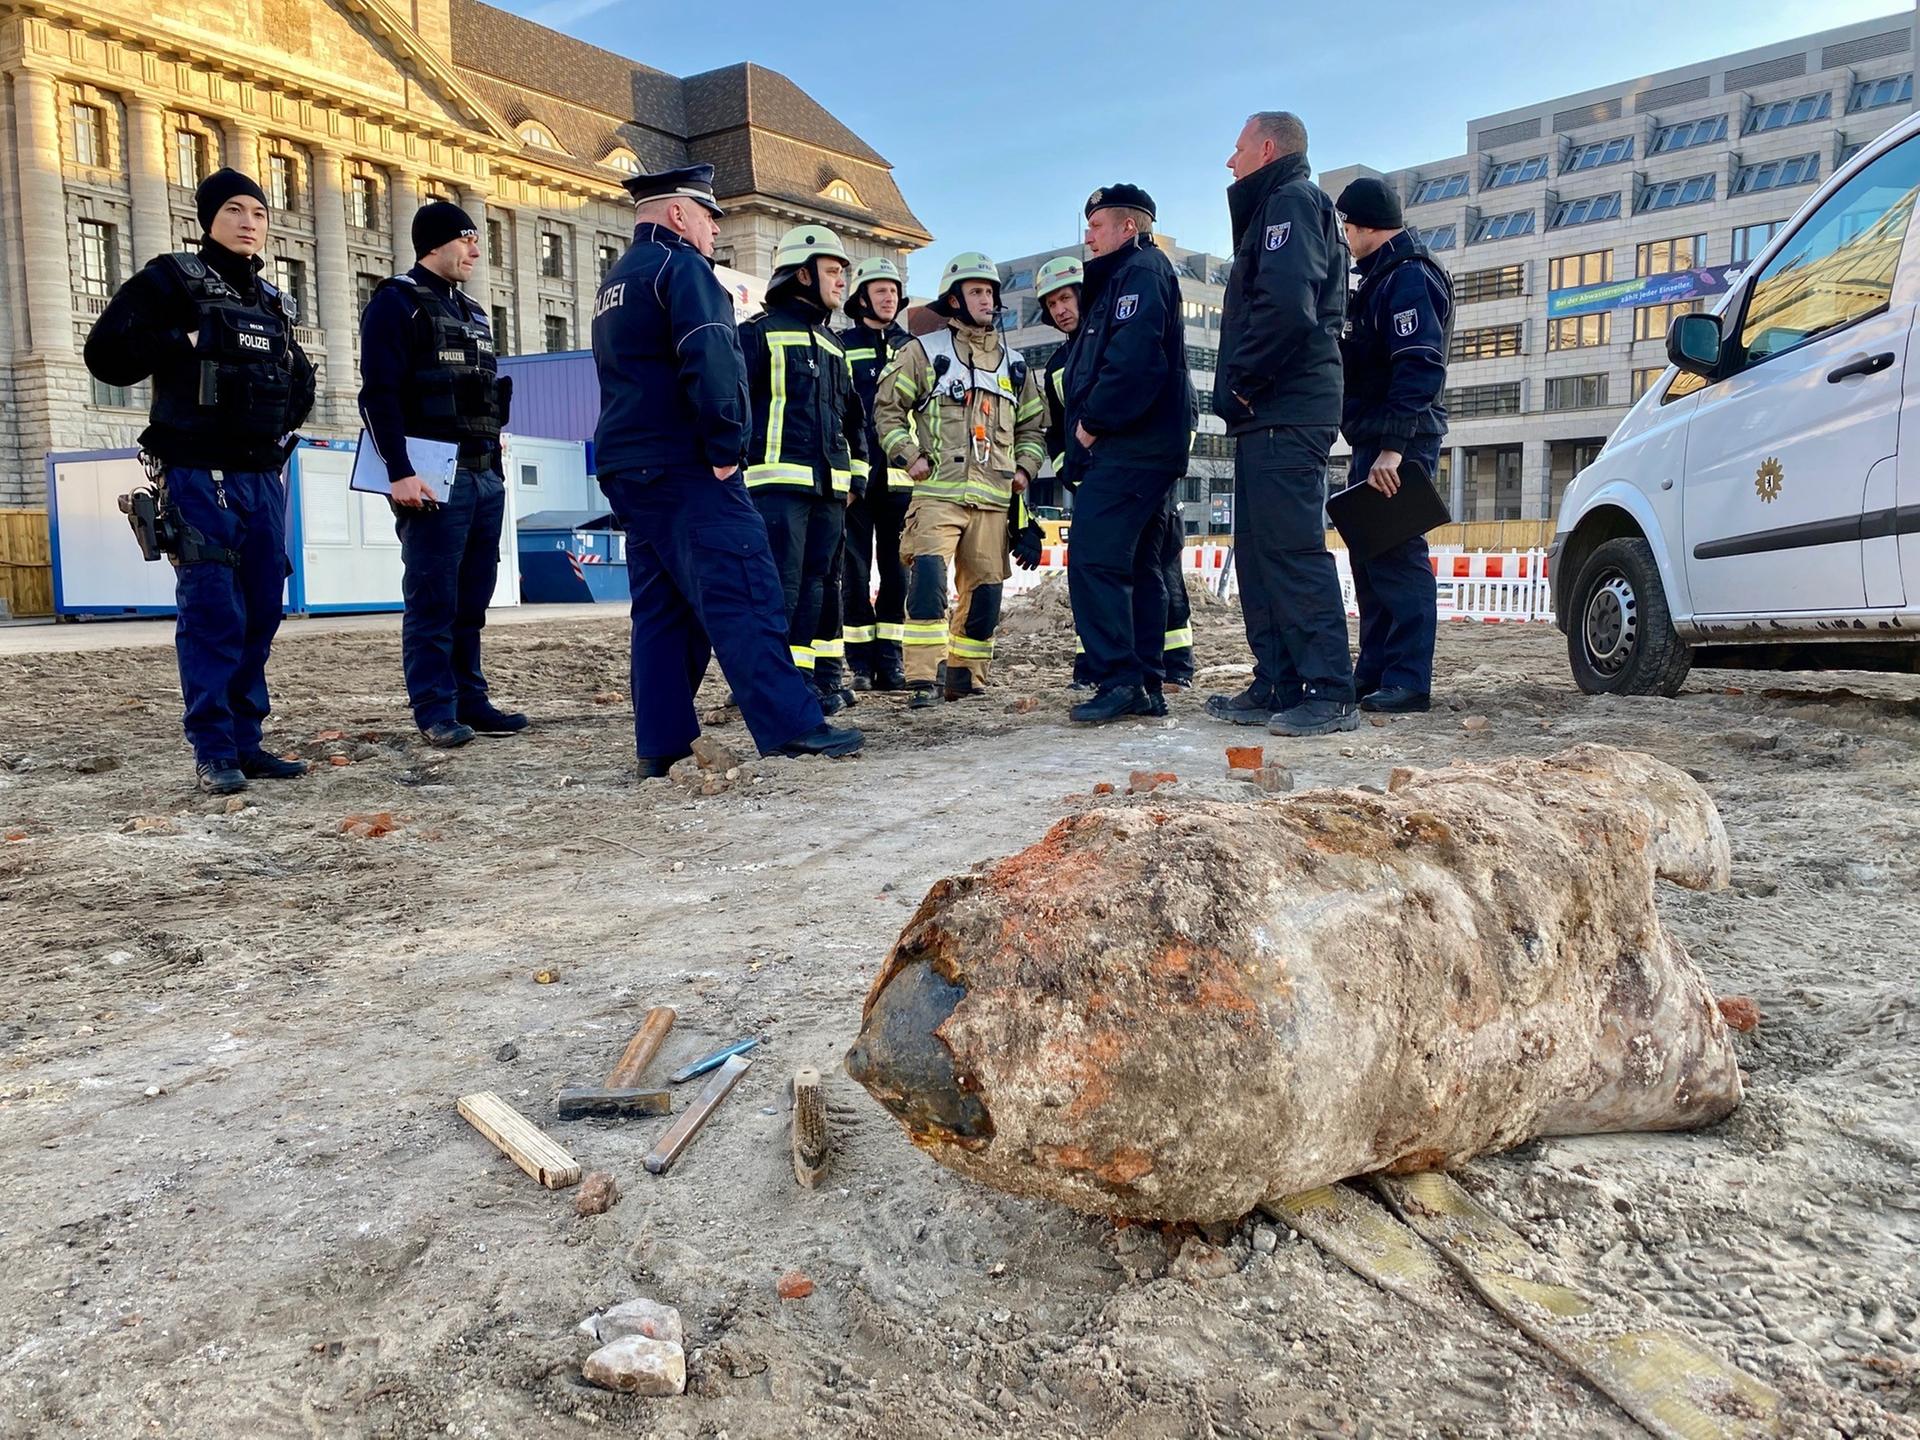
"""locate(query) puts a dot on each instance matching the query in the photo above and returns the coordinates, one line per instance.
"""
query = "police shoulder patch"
(1405, 322)
(1277, 235)
(1125, 306)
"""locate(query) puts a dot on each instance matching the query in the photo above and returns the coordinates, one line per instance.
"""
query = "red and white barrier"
(1493, 587)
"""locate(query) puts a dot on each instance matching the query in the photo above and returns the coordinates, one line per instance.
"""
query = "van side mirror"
(1693, 343)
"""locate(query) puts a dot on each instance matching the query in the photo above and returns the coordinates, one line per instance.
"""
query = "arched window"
(623, 161)
(534, 133)
(842, 192)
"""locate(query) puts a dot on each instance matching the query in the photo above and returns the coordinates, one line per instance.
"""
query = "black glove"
(1027, 545)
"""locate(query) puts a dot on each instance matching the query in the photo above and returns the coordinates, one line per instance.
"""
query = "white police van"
(1760, 506)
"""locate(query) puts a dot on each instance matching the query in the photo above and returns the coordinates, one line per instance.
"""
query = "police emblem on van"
(1768, 480)
(1277, 234)
(1124, 307)
(1405, 322)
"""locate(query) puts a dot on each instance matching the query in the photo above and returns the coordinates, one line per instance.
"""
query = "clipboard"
(1371, 522)
(434, 462)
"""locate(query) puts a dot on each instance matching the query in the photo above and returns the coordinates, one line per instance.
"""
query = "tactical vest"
(240, 390)
(452, 390)
(954, 378)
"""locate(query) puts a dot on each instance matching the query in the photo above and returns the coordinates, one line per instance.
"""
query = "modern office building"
(350, 114)
(1577, 228)
(1206, 490)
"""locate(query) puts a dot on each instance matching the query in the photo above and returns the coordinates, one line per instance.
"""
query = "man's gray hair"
(1142, 221)
(1283, 127)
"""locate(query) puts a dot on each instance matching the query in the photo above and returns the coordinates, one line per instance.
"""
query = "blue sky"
(1000, 119)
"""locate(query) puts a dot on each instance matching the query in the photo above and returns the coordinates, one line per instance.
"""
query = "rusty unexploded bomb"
(1176, 1013)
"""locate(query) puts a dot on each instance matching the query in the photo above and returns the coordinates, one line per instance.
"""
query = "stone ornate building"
(351, 113)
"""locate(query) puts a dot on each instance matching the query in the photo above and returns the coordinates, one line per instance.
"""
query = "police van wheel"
(1620, 636)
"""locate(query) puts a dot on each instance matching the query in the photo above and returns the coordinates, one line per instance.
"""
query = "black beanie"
(1370, 203)
(437, 222)
(220, 187)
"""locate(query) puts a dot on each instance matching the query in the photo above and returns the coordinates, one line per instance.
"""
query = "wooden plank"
(520, 1140)
(26, 562)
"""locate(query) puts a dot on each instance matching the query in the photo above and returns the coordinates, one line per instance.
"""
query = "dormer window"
(842, 193)
(532, 133)
(623, 161)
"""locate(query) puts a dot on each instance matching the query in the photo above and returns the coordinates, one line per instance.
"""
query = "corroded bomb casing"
(1178, 1012)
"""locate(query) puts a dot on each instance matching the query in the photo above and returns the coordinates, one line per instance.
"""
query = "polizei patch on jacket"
(1405, 322)
(1124, 307)
(1277, 234)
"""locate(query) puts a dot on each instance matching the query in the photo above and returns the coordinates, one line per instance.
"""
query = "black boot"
(924, 695)
(832, 741)
(961, 686)
(1113, 703)
(888, 672)
(483, 719)
(1315, 715)
(447, 734)
(219, 777)
(1252, 706)
(262, 766)
(655, 767)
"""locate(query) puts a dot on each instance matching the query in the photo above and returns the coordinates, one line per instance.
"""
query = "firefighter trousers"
(941, 536)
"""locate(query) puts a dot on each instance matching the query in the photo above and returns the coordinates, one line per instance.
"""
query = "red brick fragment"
(794, 1285)
(1140, 782)
(369, 827)
(1740, 1013)
(327, 735)
(1246, 757)
(1105, 787)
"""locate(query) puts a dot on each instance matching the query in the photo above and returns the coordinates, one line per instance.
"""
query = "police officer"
(230, 385)
(1277, 385)
(875, 621)
(1058, 289)
(427, 370)
(675, 423)
(1395, 357)
(962, 418)
(808, 457)
(1130, 411)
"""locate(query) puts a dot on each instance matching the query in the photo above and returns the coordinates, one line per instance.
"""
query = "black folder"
(1371, 522)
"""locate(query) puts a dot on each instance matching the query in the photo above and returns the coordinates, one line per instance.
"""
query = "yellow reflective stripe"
(906, 387)
(969, 649)
(779, 475)
(858, 634)
(890, 632)
(1027, 411)
(1060, 384)
(862, 469)
(1030, 448)
(829, 344)
(1060, 464)
(865, 352)
(830, 649)
(802, 655)
(924, 632)
(778, 343)
(1079, 646)
(1180, 639)
(1020, 515)
(842, 480)
(894, 439)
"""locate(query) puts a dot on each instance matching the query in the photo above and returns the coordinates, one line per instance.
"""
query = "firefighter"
(875, 622)
(808, 458)
(959, 413)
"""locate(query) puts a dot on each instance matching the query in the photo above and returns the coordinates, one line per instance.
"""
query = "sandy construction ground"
(238, 1200)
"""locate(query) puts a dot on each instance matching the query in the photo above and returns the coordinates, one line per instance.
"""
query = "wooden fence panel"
(26, 562)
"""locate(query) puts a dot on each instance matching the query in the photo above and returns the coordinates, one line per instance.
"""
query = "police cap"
(1124, 197)
(689, 182)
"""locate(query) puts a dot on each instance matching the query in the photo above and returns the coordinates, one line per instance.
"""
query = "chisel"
(713, 1061)
(673, 1144)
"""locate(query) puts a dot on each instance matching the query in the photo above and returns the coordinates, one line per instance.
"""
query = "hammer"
(619, 1095)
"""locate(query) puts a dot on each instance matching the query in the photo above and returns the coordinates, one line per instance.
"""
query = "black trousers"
(450, 556)
(803, 531)
(1179, 639)
(875, 624)
(1117, 577)
(1289, 588)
